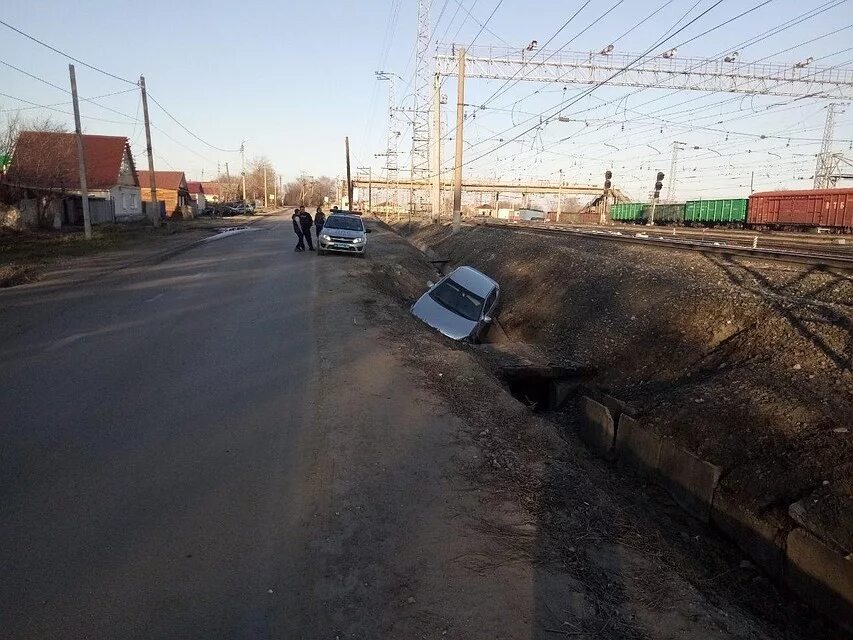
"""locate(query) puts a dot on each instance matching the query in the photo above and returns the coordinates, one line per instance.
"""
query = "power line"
(61, 104)
(49, 108)
(95, 68)
(181, 125)
(67, 55)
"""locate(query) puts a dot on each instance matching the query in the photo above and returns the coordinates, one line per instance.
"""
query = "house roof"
(48, 160)
(213, 188)
(165, 179)
(195, 187)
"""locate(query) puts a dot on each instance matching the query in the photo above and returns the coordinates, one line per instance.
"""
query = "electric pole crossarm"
(698, 74)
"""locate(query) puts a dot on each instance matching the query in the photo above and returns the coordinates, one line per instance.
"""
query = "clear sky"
(292, 79)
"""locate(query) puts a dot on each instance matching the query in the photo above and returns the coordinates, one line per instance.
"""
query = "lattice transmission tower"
(422, 94)
(828, 164)
(392, 175)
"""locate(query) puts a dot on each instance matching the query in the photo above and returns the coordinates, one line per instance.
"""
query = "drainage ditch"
(543, 388)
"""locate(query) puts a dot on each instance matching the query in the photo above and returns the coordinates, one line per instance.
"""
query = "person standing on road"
(297, 229)
(319, 221)
(306, 222)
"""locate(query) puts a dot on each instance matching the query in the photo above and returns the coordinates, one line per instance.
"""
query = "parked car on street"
(461, 305)
(343, 232)
(242, 209)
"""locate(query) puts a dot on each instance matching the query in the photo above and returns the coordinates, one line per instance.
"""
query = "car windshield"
(456, 298)
(343, 222)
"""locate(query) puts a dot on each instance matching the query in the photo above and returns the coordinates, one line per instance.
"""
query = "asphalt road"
(152, 424)
(243, 442)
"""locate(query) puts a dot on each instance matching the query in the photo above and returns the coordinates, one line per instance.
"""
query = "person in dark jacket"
(297, 229)
(306, 222)
(319, 221)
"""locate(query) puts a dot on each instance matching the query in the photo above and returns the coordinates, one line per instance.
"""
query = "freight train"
(777, 210)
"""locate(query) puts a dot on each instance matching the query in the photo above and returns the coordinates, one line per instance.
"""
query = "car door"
(488, 307)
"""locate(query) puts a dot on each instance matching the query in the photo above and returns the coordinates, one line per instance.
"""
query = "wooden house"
(171, 189)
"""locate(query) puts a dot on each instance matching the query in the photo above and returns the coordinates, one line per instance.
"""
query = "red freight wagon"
(807, 208)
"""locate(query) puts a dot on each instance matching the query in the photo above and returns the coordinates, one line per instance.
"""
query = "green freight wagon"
(627, 212)
(664, 213)
(730, 211)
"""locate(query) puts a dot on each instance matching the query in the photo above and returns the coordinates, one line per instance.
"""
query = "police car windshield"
(349, 223)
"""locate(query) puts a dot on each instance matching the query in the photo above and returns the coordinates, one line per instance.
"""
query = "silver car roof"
(473, 280)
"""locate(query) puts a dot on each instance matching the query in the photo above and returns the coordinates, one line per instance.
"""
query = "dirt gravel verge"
(609, 561)
(746, 363)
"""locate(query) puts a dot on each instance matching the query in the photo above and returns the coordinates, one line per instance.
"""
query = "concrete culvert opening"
(543, 388)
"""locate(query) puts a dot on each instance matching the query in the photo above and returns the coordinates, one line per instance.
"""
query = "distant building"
(197, 195)
(530, 214)
(216, 191)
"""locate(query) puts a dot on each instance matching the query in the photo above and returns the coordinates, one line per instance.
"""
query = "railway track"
(771, 239)
(826, 256)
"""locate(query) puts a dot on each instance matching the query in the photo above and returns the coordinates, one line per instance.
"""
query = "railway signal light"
(607, 176)
(658, 184)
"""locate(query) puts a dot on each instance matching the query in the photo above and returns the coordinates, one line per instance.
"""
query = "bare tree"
(310, 192)
(38, 170)
(255, 178)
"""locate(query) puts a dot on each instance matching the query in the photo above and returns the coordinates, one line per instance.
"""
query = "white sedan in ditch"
(461, 305)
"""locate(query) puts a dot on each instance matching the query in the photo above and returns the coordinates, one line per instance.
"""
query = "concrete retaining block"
(688, 479)
(821, 576)
(597, 429)
(636, 447)
(761, 539)
(614, 405)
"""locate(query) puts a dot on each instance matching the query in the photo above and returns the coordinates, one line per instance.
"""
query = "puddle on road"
(225, 232)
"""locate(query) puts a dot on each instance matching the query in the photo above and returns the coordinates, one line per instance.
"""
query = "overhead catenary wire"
(589, 91)
(564, 103)
(749, 42)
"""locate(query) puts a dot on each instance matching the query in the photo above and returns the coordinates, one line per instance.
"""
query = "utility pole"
(81, 159)
(274, 191)
(349, 176)
(265, 187)
(243, 164)
(670, 185)
(460, 116)
(148, 148)
(280, 190)
(559, 197)
(436, 149)
(751, 182)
